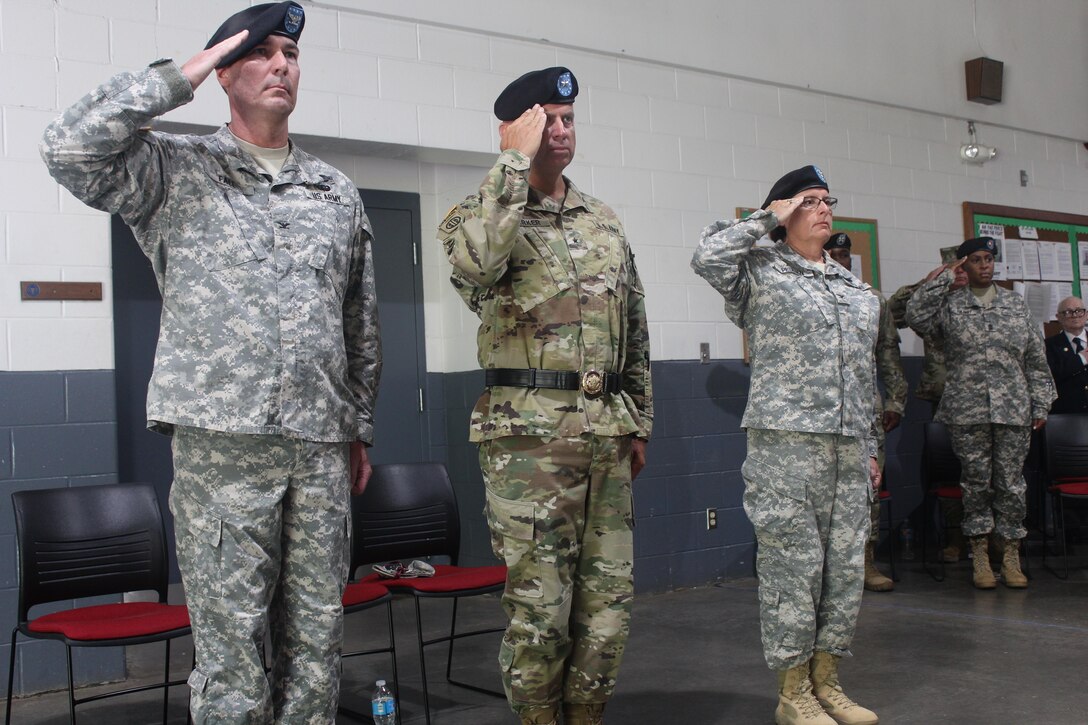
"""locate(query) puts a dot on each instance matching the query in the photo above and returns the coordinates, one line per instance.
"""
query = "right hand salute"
(201, 65)
(524, 133)
(784, 208)
(953, 266)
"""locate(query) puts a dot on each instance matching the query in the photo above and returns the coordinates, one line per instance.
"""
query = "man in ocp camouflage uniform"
(268, 355)
(563, 423)
(930, 388)
(811, 472)
(889, 408)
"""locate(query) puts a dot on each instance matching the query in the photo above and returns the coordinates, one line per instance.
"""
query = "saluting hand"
(524, 133)
(783, 208)
(951, 266)
(201, 65)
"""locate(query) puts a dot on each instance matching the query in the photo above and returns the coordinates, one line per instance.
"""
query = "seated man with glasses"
(1067, 355)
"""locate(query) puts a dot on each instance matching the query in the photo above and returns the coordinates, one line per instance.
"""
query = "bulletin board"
(1032, 225)
(863, 242)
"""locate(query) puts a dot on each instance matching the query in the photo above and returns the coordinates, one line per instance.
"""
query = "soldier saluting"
(268, 356)
(563, 423)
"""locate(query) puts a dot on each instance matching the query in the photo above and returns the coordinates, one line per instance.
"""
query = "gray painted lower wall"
(56, 429)
(59, 429)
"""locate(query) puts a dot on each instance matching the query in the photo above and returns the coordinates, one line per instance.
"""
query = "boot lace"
(806, 702)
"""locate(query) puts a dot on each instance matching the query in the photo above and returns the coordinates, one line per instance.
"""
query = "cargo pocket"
(778, 638)
(513, 532)
(206, 573)
(776, 503)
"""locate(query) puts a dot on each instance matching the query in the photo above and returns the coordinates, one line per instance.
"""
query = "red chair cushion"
(447, 579)
(363, 592)
(948, 492)
(1070, 489)
(884, 494)
(113, 621)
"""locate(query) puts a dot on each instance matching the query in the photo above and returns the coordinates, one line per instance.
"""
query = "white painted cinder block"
(598, 145)
(893, 180)
(385, 38)
(911, 214)
(703, 89)
(705, 302)
(378, 119)
(27, 28)
(83, 37)
(702, 156)
(67, 239)
(626, 111)
(681, 191)
(23, 129)
(590, 69)
(25, 186)
(454, 48)
(415, 82)
(672, 265)
(631, 186)
(336, 71)
(519, 57)
(647, 228)
(666, 302)
(753, 97)
(132, 44)
(454, 128)
(322, 30)
(845, 175)
(780, 133)
(317, 114)
(651, 150)
(477, 90)
(678, 118)
(826, 140)
(728, 194)
(60, 344)
(931, 185)
(27, 80)
(802, 105)
(646, 79)
(910, 152)
(5, 362)
(870, 146)
(202, 15)
(757, 164)
(730, 126)
(11, 303)
(143, 12)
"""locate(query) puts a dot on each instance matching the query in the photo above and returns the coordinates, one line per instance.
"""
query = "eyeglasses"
(1076, 312)
(811, 202)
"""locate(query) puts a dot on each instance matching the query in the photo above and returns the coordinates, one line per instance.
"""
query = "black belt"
(591, 382)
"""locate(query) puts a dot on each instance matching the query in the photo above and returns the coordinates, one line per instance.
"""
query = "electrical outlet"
(704, 352)
(711, 519)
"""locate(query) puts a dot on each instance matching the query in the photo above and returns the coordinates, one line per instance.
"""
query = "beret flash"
(978, 244)
(796, 181)
(838, 240)
(286, 18)
(549, 85)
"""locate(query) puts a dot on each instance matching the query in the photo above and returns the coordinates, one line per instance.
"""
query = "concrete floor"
(927, 653)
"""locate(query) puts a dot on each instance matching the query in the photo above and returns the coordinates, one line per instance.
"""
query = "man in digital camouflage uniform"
(930, 388)
(889, 408)
(999, 389)
(811, 471)
(268, 355)
(563, 423)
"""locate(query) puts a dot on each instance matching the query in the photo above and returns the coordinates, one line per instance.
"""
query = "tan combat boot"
(544, 715)
(825, 683)
(1010, 566)
(874, 580)
(583, 714)
(980, 559)
(796, 703)
(951, 553)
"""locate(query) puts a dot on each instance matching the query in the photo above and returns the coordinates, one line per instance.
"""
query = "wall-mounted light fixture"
(973, 152)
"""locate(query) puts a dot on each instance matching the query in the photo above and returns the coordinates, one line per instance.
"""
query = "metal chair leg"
(71, 688)
(11, 676)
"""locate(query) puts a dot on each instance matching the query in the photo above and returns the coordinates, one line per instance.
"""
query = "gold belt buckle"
(592, 383)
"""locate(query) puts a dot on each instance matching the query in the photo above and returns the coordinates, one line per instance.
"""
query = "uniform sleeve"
(479, 234)
(928, 308)
(636, 368)
(362, 333)
(897, 304)
(97, 150)
(721, 259)
(889, 362)
(1040, 381)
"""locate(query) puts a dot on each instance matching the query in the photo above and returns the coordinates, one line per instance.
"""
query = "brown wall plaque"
(61, 290)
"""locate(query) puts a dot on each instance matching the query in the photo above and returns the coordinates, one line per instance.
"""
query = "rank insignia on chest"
(607, 227)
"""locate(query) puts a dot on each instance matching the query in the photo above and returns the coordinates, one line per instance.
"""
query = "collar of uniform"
(298, 167)
(573, 200)
(793, 258)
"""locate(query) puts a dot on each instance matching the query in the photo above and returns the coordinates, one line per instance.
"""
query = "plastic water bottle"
(907, 541)
(383, 706)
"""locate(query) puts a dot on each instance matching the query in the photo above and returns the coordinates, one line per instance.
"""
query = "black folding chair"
(1067, 469)
(940, 480)
(94, 541)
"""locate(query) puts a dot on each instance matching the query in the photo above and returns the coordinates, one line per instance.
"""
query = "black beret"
(838, 240)
(790, 185)
(983, 244)
(550, 85)
(285, 19)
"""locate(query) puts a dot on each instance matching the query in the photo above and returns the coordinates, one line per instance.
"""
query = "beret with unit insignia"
(550, 85)
(286, 18)
(978, 244)
(838, 240)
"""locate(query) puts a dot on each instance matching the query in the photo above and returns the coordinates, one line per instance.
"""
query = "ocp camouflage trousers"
(261, 524)
(807, 496)
(992, 478)
(560, 515)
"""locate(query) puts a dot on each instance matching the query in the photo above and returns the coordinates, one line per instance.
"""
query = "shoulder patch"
(453, 219)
